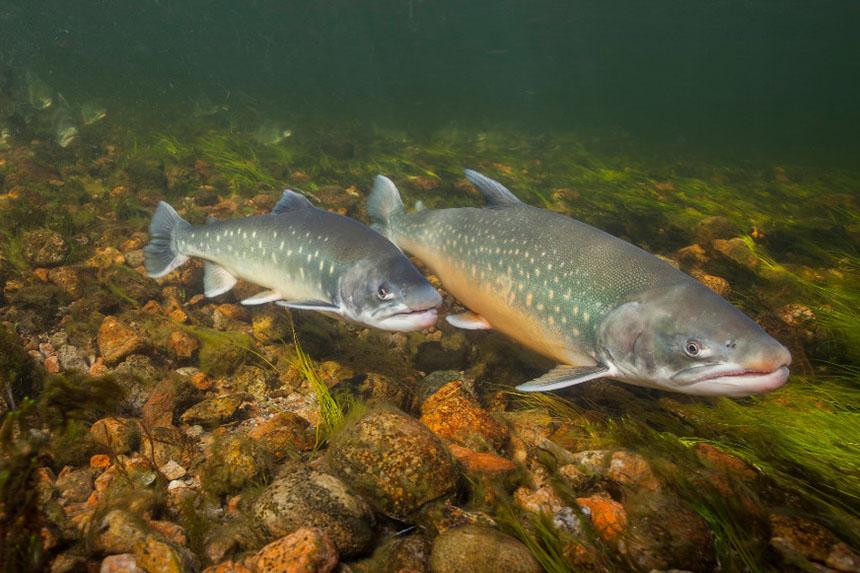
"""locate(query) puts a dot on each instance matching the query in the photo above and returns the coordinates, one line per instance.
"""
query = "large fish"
(306, 258)
(599, 306)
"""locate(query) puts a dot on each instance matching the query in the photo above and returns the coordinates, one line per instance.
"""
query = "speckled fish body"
(546, 279)
(599, 306)
(306, 258)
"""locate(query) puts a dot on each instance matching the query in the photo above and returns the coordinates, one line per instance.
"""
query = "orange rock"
(717, 284)
(455, 416)
(227, 567)
(98, 368)
(233, 504)
(725, 461)
(117, 341)
(152, 307)
(233, 312)
(306, 550)
(282, 433)
(52, 364)
(178, 315)
(104, 258)
(481, 462)
(607, 515)
(632, 469)
(182, 344)
(201, 381)
(99, 461)
(172, 532)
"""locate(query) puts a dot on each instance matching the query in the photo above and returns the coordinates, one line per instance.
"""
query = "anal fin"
(563, 376)
(263, 297)
(216, 280)
(469, 321)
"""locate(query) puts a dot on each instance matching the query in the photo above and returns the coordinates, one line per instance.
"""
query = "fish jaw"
(740, 383)
(408, 321)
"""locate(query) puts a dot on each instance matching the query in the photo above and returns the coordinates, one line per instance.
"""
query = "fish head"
(686, 338)
(389, 293)
(66, 135)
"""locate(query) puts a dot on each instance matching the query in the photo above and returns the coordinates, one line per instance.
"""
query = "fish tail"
(161, 254)
(385, 205)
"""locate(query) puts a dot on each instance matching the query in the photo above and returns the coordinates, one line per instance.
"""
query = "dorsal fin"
(495, 194)
(291, 201)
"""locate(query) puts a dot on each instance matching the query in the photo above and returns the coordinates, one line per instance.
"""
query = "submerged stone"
(393, 461)
(455, 415)
(480, 550)
(306, 550)
(303, 497)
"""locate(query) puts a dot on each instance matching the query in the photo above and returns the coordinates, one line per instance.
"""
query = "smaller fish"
(92, 113)
(65, 128)
(5, 135)
(271, 134)
(39, 94)
(305, 258)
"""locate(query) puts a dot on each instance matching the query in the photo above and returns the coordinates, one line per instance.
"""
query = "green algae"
(221, 352)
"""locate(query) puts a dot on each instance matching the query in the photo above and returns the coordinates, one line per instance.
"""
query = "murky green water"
(721, 136)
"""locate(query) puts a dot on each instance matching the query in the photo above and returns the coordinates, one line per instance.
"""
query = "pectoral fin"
(562, 376)
(468, 321)
(318, 305)
(263, 297)
(216, 280)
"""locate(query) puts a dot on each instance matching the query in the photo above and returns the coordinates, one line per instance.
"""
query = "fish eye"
(692, 348)
(384, 293)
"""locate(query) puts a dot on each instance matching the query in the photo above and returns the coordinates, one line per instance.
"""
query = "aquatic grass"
(538, 534)
(240, 167)
(332, 412)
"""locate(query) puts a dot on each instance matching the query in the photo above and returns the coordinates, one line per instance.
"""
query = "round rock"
(307, 498)
(393, 461)
(480, 550)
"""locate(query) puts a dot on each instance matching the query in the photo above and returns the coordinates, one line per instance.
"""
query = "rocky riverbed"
(147, 428)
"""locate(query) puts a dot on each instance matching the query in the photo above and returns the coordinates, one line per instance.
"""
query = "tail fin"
(384, 204)
(161, 254)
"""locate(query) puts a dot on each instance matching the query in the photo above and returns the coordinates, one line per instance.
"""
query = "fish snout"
(422, 297)
(771, 356)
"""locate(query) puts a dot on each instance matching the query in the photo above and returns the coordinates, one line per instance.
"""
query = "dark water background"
(754, 76)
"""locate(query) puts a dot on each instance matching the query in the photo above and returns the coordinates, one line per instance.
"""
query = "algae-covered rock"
(303, 497)
(480, 550)
(117, 340)
(119, 532)
(44, 248)
(214, 411)
(283, 433)
(75, 484)
(163, 444)
(232, 464)
(715, 227)
(400, 553)
(737, 250)
(157, 556)
(306, 550)
(119, 435)
(393, 461)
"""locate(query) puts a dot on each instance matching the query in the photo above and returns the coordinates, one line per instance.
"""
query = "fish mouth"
(409, 320)
(739, 382)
